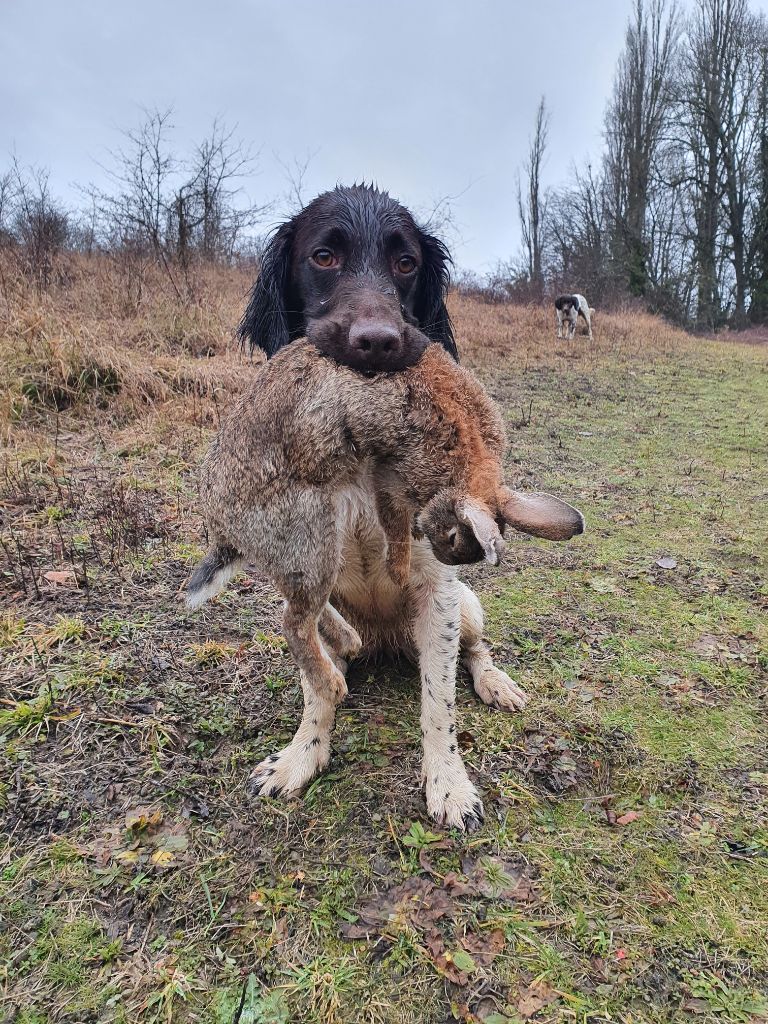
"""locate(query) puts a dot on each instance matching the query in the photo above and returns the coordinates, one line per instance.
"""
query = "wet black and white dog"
(568, 308)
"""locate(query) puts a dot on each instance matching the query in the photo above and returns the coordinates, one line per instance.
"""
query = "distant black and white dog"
(568, 308)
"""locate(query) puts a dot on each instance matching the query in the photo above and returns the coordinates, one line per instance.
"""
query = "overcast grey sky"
(428, 97)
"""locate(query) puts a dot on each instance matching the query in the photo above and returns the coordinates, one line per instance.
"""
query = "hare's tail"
(211, 575)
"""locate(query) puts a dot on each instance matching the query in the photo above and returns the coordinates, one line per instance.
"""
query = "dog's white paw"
(453, 801)
(287, 772)
(496, 689)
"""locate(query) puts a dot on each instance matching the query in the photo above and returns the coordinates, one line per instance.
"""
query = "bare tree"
(635, 122)
(531, 204)
(206, 218)
(135, 213)
(295, 174)
(740, 141)
(177, 210)
(758, 310)
(7, 193)
(577, 236)
(707, 90)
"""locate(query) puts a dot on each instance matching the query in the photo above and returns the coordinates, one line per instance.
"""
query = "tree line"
(157, 206)
(675, 212)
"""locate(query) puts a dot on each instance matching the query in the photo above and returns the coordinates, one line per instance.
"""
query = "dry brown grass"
(490, 334)
(111, 334)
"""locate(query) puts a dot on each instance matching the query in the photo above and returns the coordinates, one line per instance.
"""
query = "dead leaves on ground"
(146, 840)
(725, 649)
(62, 578)
(535, 997)
(430, 910)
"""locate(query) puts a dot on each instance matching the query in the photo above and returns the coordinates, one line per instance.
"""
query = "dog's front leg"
(288, 771)
(451, 797)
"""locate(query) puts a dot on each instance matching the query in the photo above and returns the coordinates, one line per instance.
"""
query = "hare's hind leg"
(492, 686)
(290, 769)
(305, 577)
(342, 642)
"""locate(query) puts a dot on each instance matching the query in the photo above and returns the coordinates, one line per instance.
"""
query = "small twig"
(239, 1010)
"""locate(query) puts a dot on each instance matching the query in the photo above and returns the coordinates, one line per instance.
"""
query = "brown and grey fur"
(316, 478)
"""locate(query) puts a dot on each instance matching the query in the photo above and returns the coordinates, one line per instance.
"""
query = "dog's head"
(355, 274)
(567, 303)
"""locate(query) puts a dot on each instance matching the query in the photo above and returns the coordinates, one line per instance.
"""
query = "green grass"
(648, 691)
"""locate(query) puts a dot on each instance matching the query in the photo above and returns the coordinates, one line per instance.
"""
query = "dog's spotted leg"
(288, 771)
(492, 686)
(451, 798)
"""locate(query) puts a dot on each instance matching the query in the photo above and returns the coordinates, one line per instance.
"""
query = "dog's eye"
(324, 258)
(406, 264)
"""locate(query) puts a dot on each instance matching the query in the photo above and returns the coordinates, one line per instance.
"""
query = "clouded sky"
(428, 98)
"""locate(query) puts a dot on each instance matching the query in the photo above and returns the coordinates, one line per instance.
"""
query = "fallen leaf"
(142, 817)
(484, 946)
(416, 900)
(666, 562)
(696, 1005)
(628, 818)
(466, 741)
(551, 760)
(61, 577)
(604, 584)
(455, 885)
(162, 858)
(534, 997)
(127, 856)
(172, 842)
(497, 879)
(443, 960)
(463, 960)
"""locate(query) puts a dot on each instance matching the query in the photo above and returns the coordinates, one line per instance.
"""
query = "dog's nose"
(375, 339)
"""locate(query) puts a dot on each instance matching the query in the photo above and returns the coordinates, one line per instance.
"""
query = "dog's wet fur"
(354, 273)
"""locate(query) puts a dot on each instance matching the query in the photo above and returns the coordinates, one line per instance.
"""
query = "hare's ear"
(541, 515)
(477, 516)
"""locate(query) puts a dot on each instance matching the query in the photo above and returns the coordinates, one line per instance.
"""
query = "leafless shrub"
(34, 223)
(171, 210)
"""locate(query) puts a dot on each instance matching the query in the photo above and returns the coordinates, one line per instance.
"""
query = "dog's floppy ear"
(541, 515)
(271, 321)
(429, 308)
(477, 516)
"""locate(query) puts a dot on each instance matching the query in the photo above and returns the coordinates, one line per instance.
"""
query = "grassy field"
(622, 872)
